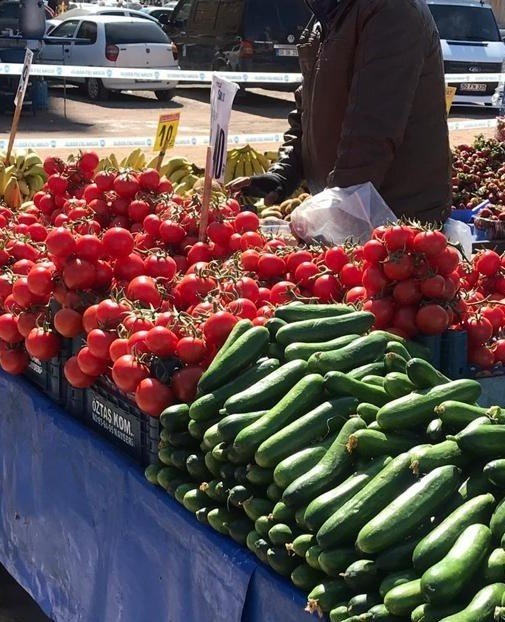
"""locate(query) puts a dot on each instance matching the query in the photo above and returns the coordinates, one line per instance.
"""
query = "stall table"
(91, 541)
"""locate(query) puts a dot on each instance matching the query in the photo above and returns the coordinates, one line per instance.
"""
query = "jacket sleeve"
(289, 166)
(389, 60)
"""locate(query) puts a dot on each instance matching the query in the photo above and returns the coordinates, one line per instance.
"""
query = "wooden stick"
(14, 129)
(162, 153)
(207, 193)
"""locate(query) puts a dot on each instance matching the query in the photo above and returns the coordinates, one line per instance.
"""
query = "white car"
(98, 9)
(111, 41)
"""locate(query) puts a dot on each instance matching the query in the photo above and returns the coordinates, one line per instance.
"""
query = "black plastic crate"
(48, 375)
(117, 418)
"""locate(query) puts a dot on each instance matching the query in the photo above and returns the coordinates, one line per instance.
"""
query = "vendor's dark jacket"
(371, 106)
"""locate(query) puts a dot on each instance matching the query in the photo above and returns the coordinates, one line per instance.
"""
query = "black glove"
(267, 185)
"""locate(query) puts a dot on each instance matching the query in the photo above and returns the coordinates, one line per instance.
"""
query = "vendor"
(371, 107)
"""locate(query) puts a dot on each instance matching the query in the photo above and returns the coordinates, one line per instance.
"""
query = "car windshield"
(279, 21)
(465, 23)
(138, 32)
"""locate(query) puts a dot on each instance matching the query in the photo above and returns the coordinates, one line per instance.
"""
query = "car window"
(181, 13)
(87, 30)
(118, 13)
(465, 23)
(140, 15)
(279, 21)
(67, 29)
(138, 32)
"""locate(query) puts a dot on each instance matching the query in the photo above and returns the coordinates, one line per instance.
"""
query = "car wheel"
(165, 96)
(96, 90)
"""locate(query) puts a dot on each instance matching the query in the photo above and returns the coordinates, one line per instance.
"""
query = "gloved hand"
(268, 186)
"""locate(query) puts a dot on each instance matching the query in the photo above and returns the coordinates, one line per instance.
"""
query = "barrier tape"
(179, 75)
(100, 142)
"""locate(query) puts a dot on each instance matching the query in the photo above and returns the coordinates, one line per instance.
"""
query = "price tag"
(450, 93)
(23, 80)
(166, 131)
(222, 94)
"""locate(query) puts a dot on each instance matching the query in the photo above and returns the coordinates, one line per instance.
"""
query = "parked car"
(161, 13)
(239, 35)
(113, 42)
(97, 9)
(471, 43)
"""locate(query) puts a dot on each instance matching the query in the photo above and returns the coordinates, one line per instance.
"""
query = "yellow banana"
(248, 166)
(35, 183)
(153, 163)
(12, 194)
(24, 188)
(180, 189)
(240, 169)
(172, 165)
(179, 174)
(36, 169)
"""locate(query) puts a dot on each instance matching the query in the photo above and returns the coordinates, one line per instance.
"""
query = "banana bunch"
(20, 178)
(245, 162)
(135, 161)
(181, 173)
(282, 211)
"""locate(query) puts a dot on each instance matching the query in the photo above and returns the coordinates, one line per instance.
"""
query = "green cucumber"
(273, 325)
(361, 351)
(299, 514)
(328, 417)
(362, 603)
(361, 372)
(434, 546)
(238, 494)
(361, 575)
(409, 510)
(241, 328)
(423, 375)
(417, 408)
(259, 476)
(497, 523)
(195, 466)
(280, 534)
(323, 506)
(220, 519)
(395, 579)
(395, 363)
(197, 429)
(398, 348)
(398, 385)
(215, 490)
(482, 606)
(344, 524)
(208, 406)
(425, 458)
(282, 513)
(302, 543)
(457, 415)
(169, 478)
(256, 507)
(175, 418)
(262, 525)
(297, 312)
(431, 613)
(202, 515)
(476, 484)
(257, 545)
(494, 567)
(239, 529)
(324, 596)
(181, 490)
(279, 560)
(335, 561)
(212, 464)
(397, 557)
(338, 383)
(413, 347)
(220, 452)
(375, 381)
(306, 578)
(328, 472)
(368, 412)
(435, 431)
(379, 613)
(299, 463)
(265, 393)
(194, 500)
(305, 395)
(165, 456)
(303, 350)
(484, 441)
(339, 613)
(151, 473)
(446, 580)
(273, 492)
(312, 557)
(495, 472)
(240, 475)
(181, 440)
(404, 598)
(323, 329)
(374, 443)
(245, 351)
(230, 426)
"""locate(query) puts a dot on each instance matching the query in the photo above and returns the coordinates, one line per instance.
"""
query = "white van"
(471, 43)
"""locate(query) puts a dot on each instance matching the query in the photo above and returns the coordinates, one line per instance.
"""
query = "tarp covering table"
(91, 541)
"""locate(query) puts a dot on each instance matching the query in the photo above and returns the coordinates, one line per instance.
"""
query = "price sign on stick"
(19, 98)
(450, 93)
(166, 132)
(222, 94)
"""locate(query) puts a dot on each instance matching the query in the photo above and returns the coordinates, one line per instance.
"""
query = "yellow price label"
(450, 93)
(166, 132)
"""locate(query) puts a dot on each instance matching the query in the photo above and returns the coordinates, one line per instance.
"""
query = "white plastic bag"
(459, 233)
(339, 214)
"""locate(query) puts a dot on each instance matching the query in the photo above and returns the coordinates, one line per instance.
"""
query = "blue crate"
(434, 344)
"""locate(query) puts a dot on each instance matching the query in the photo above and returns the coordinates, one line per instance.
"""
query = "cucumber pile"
(344, 460)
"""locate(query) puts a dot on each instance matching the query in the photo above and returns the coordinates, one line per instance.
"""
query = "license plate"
(473, 87)
(282, 52)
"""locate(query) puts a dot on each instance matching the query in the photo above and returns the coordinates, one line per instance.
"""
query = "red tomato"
(143, 289)
(68, 322)
(127, 372)
(374, 280)
(218, 326)
(433, 287)
(355, 294)
(37, 232)
(90, 364)
(294, 259)
(99, 341)
(89, 318)
(119, 347)
(137, 342)
(161, 341)
(250, 240)
(246, 221)
(399, 267)
(28, 320)
(351, 275)
(242, 308)
(220, 231)
(479, 330)
(104, 180)
(118, 242)
(481, 356)
(40, 279)
(171, 232)
(488, 263)
(149, 179)
(160, 266)
(41, 344)
(9, 328)
(14, 362)
(271, 266)
(398, 237)
(447, 261)
(249, 259)
(60, 242)
(325, 288)
(305, 273)
(88, 161)
(500, 350)
(79, 274)
(190, 350)
(152, 396)
(405, 320)
(495, 315)
(184, 383)
(430, 243)
(407, 292)
(283, 292)
(374, 251)
(247, 288)
(126, 185)
(336, 258)
(383, 309)
(432, 319)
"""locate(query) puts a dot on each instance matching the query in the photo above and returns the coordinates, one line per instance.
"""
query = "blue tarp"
(92, 541)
